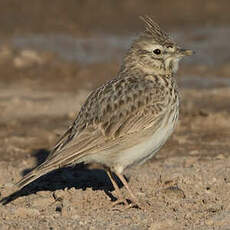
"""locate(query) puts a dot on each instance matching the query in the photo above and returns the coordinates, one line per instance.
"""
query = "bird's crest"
(153, 30)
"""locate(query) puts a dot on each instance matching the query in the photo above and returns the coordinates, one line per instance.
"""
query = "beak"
(184, 52)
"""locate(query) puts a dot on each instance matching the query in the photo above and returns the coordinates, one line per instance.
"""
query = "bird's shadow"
(79, 177)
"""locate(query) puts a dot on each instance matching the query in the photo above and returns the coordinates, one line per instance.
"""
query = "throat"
(143, 69)
(152, 69)
(171, 65)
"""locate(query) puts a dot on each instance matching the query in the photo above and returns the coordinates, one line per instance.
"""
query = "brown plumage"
(128, 119)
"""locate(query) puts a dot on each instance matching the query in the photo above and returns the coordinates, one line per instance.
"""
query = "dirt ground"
(48, 66)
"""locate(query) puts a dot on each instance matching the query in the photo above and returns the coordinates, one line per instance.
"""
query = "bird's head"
(154, 51)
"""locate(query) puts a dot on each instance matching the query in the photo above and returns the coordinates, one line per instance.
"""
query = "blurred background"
(74, 32)
(54, 52)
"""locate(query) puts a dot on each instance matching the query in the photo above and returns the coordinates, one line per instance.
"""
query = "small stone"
(209, 222)
(59, 208)
(173, 192)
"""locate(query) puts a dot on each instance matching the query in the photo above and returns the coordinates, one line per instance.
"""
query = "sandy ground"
(186, 186)
(45, 80)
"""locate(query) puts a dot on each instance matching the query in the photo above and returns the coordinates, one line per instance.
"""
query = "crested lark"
(128, 119)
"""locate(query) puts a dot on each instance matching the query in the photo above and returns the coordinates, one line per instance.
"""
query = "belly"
(147, 148)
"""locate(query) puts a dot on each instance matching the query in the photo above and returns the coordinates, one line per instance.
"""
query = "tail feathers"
(32, 176)
(45, 167)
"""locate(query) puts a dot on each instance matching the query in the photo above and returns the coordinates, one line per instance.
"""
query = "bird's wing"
(111, 113)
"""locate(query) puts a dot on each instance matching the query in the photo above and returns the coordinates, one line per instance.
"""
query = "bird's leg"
(120, 198)
(133, 197)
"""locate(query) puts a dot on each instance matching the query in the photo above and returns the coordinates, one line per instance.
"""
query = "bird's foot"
(120, 201)
(135, 204)
(127, 204)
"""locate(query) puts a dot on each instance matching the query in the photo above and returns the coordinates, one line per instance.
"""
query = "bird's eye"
(157, 51)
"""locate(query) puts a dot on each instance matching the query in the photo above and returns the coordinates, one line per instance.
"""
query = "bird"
(125, 121)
